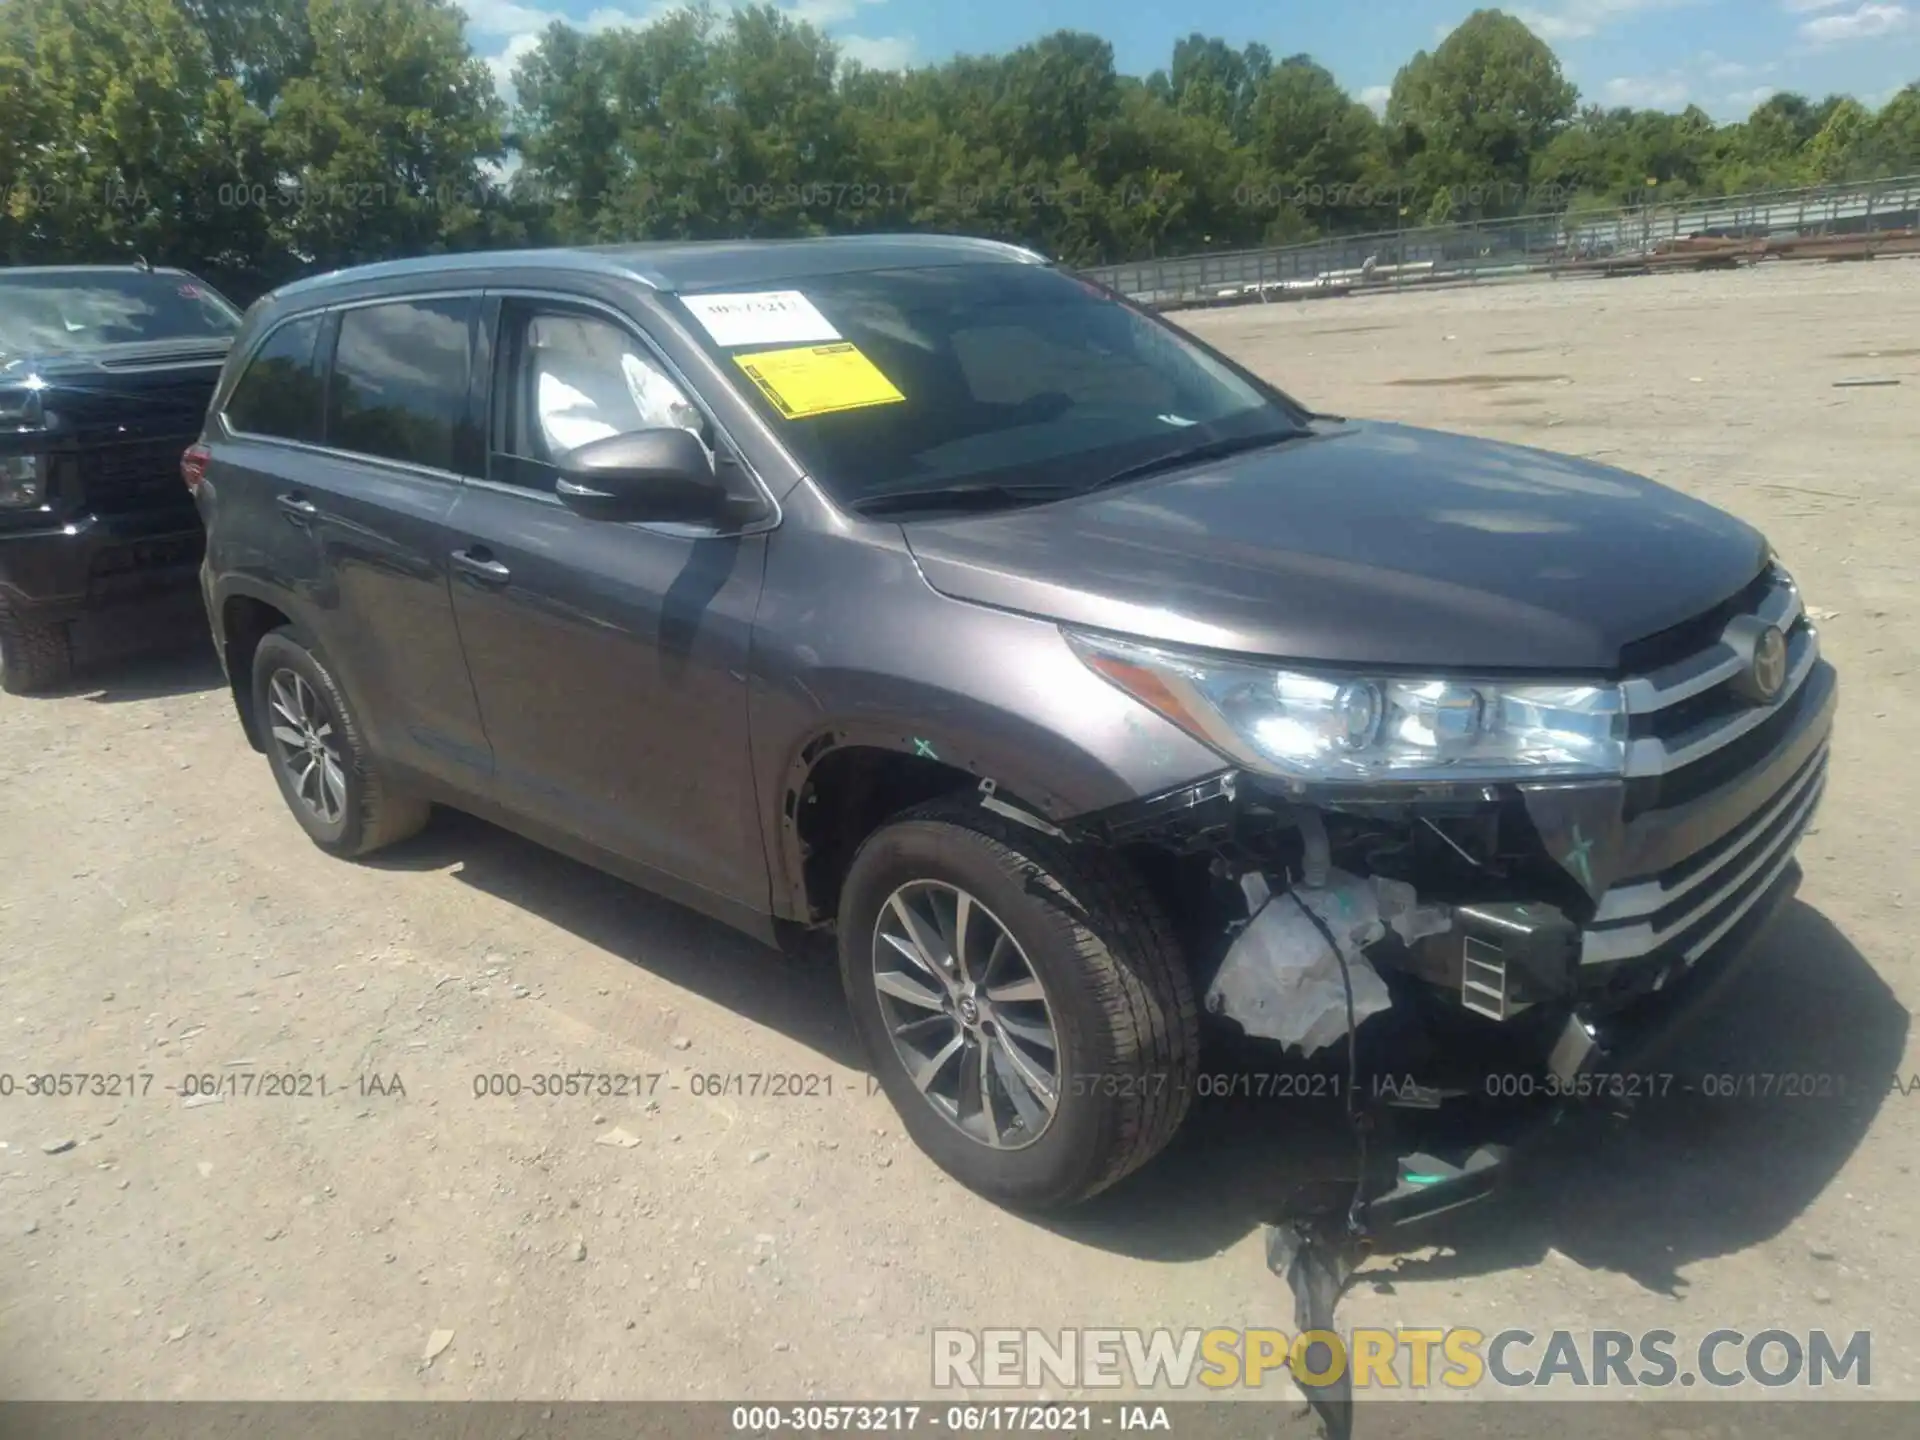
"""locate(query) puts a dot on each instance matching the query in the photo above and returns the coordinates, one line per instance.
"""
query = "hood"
(1363, 544)
(123, 391)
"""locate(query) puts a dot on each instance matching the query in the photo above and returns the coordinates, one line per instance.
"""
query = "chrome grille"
(1679, 715)
(1713, 887)
(135, 475)
(1694, 694)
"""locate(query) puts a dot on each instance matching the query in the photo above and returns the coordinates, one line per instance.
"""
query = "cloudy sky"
(1724, 55)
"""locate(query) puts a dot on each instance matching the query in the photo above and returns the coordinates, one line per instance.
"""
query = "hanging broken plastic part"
(1316, 1255)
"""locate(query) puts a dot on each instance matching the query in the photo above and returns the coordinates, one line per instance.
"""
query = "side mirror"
(663, 474)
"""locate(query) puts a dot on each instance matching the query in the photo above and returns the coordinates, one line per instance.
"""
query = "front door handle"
(480, 564)
(299, 509)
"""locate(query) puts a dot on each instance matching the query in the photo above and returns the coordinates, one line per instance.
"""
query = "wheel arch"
(846, 780)
(245, 616)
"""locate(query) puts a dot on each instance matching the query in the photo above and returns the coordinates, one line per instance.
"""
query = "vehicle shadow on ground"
(149, 656)
(1684, 1179)
(797, 995)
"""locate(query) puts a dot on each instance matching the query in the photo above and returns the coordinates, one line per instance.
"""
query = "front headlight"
(23, 481)
(1328, 727)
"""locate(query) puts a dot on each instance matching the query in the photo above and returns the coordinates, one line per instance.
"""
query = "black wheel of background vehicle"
(322, 766)
(1023, 1001)
(34, 658)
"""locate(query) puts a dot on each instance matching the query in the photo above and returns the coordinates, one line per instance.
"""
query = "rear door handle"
(480, 564)
(299, 509)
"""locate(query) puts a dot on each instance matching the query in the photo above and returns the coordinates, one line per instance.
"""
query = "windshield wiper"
(963, 497)
(1194, 454)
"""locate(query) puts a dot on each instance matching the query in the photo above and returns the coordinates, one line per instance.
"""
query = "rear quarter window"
(279, 393)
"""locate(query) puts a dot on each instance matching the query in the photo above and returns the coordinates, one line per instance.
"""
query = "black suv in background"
(912, 589)
(105, 375)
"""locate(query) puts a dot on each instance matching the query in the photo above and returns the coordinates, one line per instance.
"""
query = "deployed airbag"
(1282, 981)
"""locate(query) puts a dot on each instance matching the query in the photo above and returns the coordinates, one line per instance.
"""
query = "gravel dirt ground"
(163, 917)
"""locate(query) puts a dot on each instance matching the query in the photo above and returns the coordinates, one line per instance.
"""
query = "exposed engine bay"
(1446, 903)
(1434, 940)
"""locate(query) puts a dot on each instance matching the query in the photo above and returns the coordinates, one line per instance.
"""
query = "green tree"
(1466, 121)
(1319, 153)
(1838, 151)
(783, 127)
(120, 139)
(258, 44)
(381, 147)
(568, 127)
(1608, 157)
(1211, 79)
(1894, 142)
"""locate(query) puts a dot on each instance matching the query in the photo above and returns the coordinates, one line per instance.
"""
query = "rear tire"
(34, 658)
(1112, 990)
(320, 761)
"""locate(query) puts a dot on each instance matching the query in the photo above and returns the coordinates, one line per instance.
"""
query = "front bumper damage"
(1563, 935)
(1512, 922)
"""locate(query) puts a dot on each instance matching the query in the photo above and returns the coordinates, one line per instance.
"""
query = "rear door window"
(280, 393)
(398, 388)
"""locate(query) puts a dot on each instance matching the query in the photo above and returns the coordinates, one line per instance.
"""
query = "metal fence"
(1496, 249)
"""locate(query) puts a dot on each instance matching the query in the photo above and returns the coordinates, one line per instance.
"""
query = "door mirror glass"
(664, 474)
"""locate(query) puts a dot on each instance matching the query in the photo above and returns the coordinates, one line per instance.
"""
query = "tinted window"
(399, 383)
(980, 373)
(69, 310)
(280, 392)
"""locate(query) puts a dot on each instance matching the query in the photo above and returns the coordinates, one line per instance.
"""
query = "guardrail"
(1531, 244)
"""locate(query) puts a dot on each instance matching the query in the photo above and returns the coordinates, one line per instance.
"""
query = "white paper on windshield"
(763, 317)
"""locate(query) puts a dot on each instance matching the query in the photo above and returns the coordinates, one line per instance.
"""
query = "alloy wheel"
(307, 743)
(967, 1014)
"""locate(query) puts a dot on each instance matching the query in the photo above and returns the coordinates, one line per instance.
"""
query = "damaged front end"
(1487, 873)
(1443, 902)
(1505, 950)
(1503, 885)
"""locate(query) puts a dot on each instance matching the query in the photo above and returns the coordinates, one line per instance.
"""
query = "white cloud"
(1866, 22)
(502, 65)
(878, 52)
(1742, 103)
(823, 14)
(523, 25)
(1715, 68)
(1578, 19)
(1671, 91)
(1706, 73)
(1375, 97)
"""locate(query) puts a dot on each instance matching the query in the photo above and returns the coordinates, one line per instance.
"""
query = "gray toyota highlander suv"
(1081, 683)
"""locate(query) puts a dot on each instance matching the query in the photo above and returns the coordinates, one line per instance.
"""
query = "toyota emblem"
(1763, 659)
(1768, 672)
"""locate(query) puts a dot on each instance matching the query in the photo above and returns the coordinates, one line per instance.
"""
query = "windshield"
(69, 311)
(885, 383)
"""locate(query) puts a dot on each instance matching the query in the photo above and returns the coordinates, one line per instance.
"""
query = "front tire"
(34, 658)
(320, 761)
(1023, 1002)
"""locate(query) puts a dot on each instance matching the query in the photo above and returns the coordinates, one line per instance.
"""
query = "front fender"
(853, 647)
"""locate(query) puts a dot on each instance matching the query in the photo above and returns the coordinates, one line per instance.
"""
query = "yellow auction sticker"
(818, 379)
